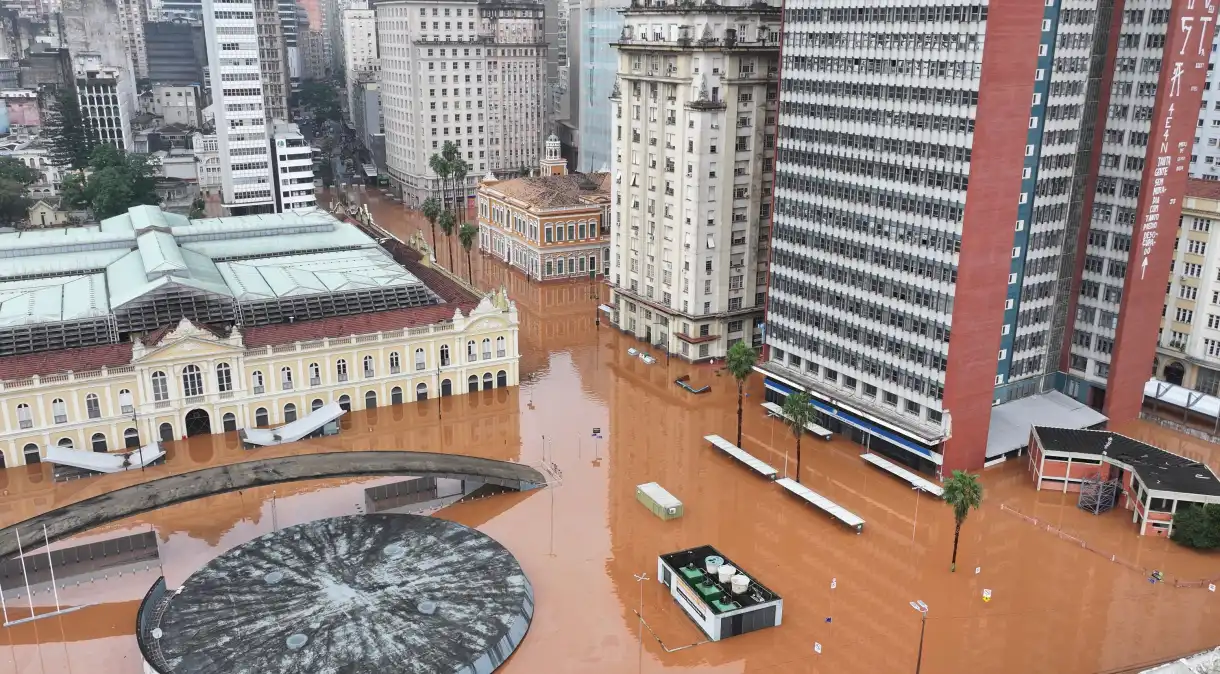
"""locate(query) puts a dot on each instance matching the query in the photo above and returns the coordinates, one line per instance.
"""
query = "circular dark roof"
(382, 594)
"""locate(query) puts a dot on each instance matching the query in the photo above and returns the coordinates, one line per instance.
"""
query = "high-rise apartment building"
(177, 52)
(107, 97)
(249, 95)
(292, 166)
(1205, 158)
(601, 23)
(469, 72)
(359, 49)
(695, 111)
(949, 267)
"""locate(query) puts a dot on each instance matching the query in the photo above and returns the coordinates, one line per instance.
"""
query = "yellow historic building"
(149, 327)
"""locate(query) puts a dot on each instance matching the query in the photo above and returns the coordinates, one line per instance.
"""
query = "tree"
(467, 234)
(798, 413)
(71, 139)
(458, 170)
(1197, 526)
(432, 210)
(15, 176)
(964, 493)
(197, 209)
(115, 182)
(740, 362)
(447, 223)
(441, 168)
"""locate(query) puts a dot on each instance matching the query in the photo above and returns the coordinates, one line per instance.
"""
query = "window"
(224, 378)
(419, 360)
(500, 350)
(92, 407)
(260, 417)
(370, 400)
(486, 349)
(60, 411)
(131, 438)
(396, 366)
(290, 413)
(286, 379)
(126, 404)
(368, 367)
(160, 387)
(444, 355)
(25, 418)
(471, 354)
(192, 381)
(341, 369)
(315, 374)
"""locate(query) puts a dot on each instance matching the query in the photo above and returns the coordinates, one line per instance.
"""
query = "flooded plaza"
(1069, 590)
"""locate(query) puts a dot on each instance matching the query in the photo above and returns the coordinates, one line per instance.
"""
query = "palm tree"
(798, 413)
(452, 156)
(963, 492)
(458, 169)
(432, 210)
(467, 234)
(740, 362)
(447, 223)
(442, 170)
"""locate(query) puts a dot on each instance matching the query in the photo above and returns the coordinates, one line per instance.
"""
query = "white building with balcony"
(292, 164)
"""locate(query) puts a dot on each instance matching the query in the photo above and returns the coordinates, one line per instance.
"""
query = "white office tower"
(1205, 157)
(292, 166)
(359, 48)
(237, 98)
(693, 151)
(473, 73)
(107, 98)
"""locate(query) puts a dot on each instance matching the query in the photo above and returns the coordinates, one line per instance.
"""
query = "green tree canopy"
(740, 362)
(15, 176)
(72, 141)
(467, 235)
(1197, 526)
(798, 413)
(114, 183)
(963, 493)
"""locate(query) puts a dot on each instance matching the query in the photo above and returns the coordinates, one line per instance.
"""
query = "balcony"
(195, 400)
(127, 409)
(258, 390)
(315, 381)
(286, 386)
(26, 423)
(342, 377)
(162, 404)
(368, 374)
(61, 418)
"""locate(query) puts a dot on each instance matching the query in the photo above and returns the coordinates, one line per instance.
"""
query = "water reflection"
(1056, 607)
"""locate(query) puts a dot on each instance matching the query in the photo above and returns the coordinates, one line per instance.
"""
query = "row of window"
(59, 409)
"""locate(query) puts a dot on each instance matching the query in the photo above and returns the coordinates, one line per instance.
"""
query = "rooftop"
(564, 191)
(1158, 469)
(1203, 189)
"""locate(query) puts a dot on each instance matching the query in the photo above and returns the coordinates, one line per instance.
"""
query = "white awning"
(1182, 397)
(1012, 421)
(605, 308)
(104, 462)
(295, 430)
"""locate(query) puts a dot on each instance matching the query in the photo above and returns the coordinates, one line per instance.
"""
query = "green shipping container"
(660, 502)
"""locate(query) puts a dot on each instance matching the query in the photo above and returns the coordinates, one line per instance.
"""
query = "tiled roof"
(556, 191)
(359, 324)
(1157, 468)
(1203, 189)
(54, 362)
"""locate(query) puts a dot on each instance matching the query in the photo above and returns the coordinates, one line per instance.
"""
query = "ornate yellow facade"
(191, 380)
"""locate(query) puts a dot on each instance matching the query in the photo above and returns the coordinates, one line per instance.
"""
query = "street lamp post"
(918, 605)
(639, 615)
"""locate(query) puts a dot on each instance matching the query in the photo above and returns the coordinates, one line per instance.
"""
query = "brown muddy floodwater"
(1058, 606)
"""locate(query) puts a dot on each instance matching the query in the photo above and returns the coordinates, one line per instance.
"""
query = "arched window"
(257, 378)
(444, 355)
(290, 413)
(32, 455)
(229, 422)
(501, 379)
(559, 266)
(396, 396)
(93, 407)
(285, 379)
(126, 404)
(315, 375)
(368, 367)
(395, 363)
(166, 432)
(419, 360)
(472, 384)
(345, 403)
(341, 369)
(60, 411)
(25, 416)
(316, 405)
(370, 400)
(65, 442)
(192, 381)
(99, 442)
(160, 387)
(421, 391)
(486, 349)
(487, 381)
(224, 378)
(131, 438)
(471, 354)
(446, 388)
(500, 350)
(260, 417)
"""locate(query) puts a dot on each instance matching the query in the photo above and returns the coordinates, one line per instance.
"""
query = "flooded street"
(1059, 603)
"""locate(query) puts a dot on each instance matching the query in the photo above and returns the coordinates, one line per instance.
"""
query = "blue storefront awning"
(866, 426)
